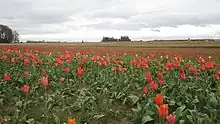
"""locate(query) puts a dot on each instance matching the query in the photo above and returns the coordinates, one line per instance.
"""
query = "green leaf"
(189, 117)
(205, 119)
(213, 101)
(98, 116)
(139, 106)
(146, 119)
(179, 103)
(19, 103)
(133, 98)
(182, 122)
(172, 102)
(124, 101)
(179, 111)
(213, 113)
(56, 118)
(195, 101)
(21, 80)
(148, 110)
(1, 101)
(50, 106)
(135, 110)
(30, 121)
(194, 114)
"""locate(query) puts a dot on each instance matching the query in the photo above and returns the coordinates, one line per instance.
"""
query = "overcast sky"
(90, 20)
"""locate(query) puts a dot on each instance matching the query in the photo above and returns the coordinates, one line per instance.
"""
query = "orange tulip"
(163, 110)
(158, 99)
(71, 121)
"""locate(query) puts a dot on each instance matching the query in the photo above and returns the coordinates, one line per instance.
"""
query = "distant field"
(149, 44)
(158, 44)
(193, 49)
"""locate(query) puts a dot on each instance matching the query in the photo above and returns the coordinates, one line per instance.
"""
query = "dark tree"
(15, 37)
(109, 39)
(124, 38)
(6, 34)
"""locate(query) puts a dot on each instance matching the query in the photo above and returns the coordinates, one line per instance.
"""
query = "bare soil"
(142, 49)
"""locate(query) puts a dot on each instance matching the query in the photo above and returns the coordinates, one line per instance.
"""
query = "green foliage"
(102, 94)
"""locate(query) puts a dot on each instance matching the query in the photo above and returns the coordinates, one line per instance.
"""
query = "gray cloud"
(178, 19)
(156, 20)
(110, 25)
(155, 30)
(27, 16)
(32, 17)
(112, 14)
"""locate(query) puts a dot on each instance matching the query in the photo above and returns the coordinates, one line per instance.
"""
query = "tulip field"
(108, 86)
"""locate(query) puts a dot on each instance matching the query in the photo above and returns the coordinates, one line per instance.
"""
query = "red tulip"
(176, 64)
(67, 70)
(4, 57)
(187, 65)
(202, 67)
(171, 119)
(201, 60)
(148, 77)
(99, 63)
(120, 69)
(13, 60)
(62, 79)
(26, 74)
(107, 59)
(43, 71)
(182, 76)
(159, 75)
(182, 70)
(153, 86)
(161, 82)
(44, 81)
(195, 73)
(192, 69)
(166, 68)
(79, 72)
(34, 61)
(134, 62)
(7, 77)
(158, 63)
(146, 66)
(209, 65)
(217, 77)
(217, 72)
(26, 62)
(105, 64)
(25, 89)
(40, 62)
(114, 68)
(145, 90)
(59, 61)
(120, 62)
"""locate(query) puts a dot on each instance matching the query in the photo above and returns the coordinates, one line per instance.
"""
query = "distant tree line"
(7, 35)
(42, 41)
(112, 39)
(183, 40)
